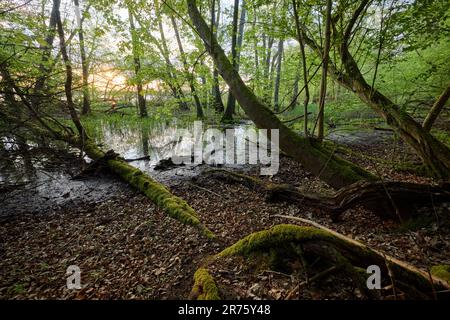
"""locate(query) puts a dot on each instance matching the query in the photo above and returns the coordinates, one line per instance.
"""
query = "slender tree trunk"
(295, 91)
(330, 168)
(84, 63)
(46, 54)
(255, 48)
(217, 96)
(240, 37)
(278, 76)
(189, 76)
(68, 67)
(323, 82)
(137, 66)
(436, 109)
(268, 57)
(176, 88)
(236, 45)
(301, 42)
(231, 102)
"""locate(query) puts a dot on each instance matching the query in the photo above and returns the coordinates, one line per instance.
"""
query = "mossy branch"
(346, 253)
(174, 206)
(205, 287)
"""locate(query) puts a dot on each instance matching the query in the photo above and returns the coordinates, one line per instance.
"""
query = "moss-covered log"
(441, 271)
(205, 288)
(174, 206)
(348, 255)
(388, 199)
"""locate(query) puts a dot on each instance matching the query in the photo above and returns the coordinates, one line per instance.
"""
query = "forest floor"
(128, 248)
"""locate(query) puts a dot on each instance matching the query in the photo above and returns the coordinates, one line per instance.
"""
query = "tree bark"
(323, 82)
(84, 62)
(301, 42)
(68, 67)
(278, 76)
(217, 96)
(321, 162)
(137, 66)
(188, 74)
(175, 86)
(236, 54)
(436, 109)
(231, 102)
(46, 53)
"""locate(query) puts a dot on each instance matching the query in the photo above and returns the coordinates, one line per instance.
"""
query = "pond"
(35, 178)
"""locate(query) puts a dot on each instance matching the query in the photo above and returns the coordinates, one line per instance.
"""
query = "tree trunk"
(266, 81)
(323, 82)
(171, 71)
(294, 99)
(217, 96)
(68, 66)
(46, 53)
(84, 63)
(236, 45)
(301, 42)
(334, 170)
(188, 75)
(231, 102)
(137, 66)
(278, 76)
(436, 109)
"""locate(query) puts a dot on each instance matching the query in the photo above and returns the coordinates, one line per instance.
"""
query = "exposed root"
(391, 199)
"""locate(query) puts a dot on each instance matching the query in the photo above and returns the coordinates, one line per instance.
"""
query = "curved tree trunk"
(330, 168)
(435, 154)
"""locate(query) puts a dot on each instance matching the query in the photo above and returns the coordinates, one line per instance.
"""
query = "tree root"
(346, 255)
(386, 199)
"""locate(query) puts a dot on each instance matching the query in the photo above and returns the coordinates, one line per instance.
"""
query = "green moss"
(174, 206)
(441, 271)
(205, 287)
(275, 237)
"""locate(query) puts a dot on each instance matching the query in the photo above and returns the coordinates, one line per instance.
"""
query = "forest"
(225, 149)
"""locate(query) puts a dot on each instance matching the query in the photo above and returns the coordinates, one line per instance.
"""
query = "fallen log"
(347, 255)
(391, 199)
(174, 206)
